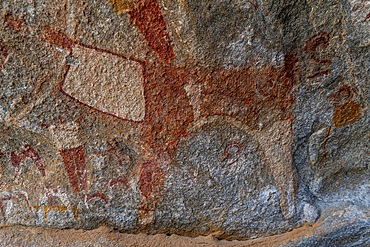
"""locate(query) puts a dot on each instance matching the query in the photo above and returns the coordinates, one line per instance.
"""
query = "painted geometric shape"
(107, 83)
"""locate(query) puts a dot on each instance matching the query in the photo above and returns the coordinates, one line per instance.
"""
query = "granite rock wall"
(242, 118)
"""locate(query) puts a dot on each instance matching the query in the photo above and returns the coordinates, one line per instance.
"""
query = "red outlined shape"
(164, 124)
(17, 157)
(74, 162)
(89, 197)
(20, 195)
(123, 178)
(228, 149)
(142, 63)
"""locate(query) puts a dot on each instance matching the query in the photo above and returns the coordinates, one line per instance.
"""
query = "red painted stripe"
(148, 18)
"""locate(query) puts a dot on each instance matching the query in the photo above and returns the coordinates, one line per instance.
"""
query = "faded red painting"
(175, 97)
(148, 18)
(257, 96)
(3, 53)
(346, 111)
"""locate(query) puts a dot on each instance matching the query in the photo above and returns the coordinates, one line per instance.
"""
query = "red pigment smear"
(96, 195)
(74, 162)
(168, 110)
(12, 21)
(120, 180)
(320, 39)
(148, 18)
(342, 95)
(3, 52)
(146, 179)
(57, 38)
(20, 156)
(252, 3)
(325, 72)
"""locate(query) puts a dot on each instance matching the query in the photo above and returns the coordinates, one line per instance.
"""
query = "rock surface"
(235, 119)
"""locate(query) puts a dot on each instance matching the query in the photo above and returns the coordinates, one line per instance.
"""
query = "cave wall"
(245, 118)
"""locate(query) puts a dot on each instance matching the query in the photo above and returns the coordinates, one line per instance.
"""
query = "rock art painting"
(180, 117)
(120, 92)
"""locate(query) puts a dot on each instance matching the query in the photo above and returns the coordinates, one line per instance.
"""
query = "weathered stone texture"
(241, 119)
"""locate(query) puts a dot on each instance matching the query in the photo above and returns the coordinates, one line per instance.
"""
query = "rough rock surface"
(235, 119)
